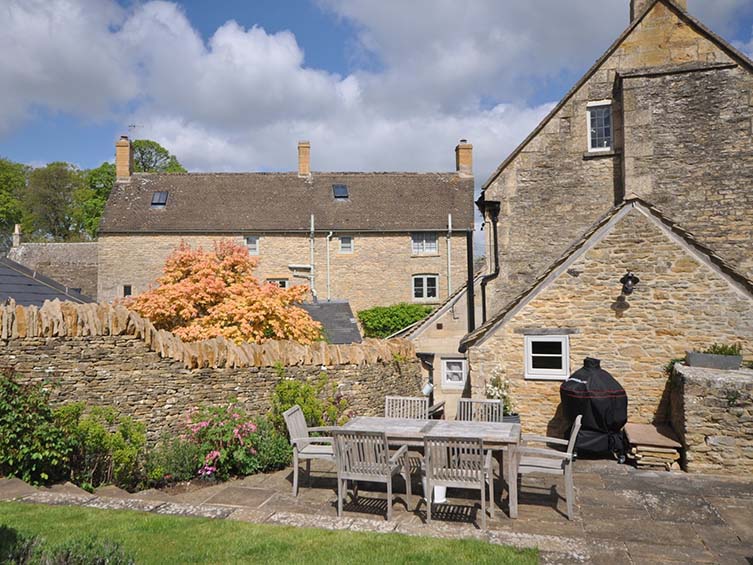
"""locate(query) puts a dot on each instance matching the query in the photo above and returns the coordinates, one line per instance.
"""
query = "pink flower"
(211, 456)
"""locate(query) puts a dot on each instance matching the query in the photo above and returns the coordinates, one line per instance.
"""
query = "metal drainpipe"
(493, 208)
(470, 299)
(449, 254)
(311, 262)
(329, 239)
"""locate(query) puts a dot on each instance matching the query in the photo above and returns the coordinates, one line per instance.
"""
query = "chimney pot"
(123, 158)
(17, 235)
(464, 158)
(304, 159)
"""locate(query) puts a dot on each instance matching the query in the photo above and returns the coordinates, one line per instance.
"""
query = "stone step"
(13, 488)
(111, 491)
(152, 494)
(67, 488)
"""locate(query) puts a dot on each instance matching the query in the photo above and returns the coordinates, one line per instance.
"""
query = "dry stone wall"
(107, 355)
(712, 412)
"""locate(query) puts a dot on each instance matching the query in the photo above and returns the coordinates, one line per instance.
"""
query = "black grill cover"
(601, 400)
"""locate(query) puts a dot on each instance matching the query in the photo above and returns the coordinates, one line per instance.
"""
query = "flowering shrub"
(498, 388)
(231, 443)
(206, 294)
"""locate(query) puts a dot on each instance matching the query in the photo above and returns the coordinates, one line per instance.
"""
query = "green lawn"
(152, 538)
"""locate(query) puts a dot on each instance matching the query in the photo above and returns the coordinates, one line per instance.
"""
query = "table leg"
(512, 480)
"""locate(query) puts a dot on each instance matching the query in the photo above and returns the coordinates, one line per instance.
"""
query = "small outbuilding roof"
(337, 318)
(28, 287)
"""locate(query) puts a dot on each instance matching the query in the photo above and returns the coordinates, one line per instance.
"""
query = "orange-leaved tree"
(204, 294)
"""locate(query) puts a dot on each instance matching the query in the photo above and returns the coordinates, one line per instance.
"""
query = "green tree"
(12, 184)
(48, 201)
(89, 200)
(150, 157)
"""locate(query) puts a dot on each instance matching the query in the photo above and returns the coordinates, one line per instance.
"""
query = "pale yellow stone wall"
(680, 304)
(551, 193)
(378, 272)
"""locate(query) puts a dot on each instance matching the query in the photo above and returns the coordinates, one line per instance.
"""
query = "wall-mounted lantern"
(628, 283)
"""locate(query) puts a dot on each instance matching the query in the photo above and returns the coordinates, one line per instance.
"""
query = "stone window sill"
(588, 155)
(423, 255)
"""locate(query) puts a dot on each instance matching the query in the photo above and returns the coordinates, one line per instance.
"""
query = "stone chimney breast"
(123, 158)
(304, 159)
(464, 158)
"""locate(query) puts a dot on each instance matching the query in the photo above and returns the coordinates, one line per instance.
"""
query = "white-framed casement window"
(600, 126)
(424, 243)
(346, 244)
(282, 283)
(454, 373)
(426, 287)
(252, 244)
(547, 357)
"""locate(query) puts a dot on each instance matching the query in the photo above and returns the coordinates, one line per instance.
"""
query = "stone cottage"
(645, 166)
(369, 238)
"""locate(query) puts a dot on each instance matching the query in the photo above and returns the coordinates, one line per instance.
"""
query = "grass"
(151, 538)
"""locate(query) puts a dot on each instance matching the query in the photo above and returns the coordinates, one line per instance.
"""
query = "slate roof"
(284, 202)
(337, 318)
(724, 45)
(593, 235)
(28, 288)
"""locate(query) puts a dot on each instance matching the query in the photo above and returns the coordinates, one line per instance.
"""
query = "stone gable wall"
(71, 264)
(680, 304)
(378, 272)
(712, 412)
(553, 190)
(109, 356)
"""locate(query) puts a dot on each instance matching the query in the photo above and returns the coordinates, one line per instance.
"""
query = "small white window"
(346, 244)
(454, 373)
(282, 283)
(127, 290)
(252, 244)
(600, 126)
(547, 357)
(425, 287)
(424, 243)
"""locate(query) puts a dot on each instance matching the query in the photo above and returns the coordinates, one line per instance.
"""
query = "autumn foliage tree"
(205, 294)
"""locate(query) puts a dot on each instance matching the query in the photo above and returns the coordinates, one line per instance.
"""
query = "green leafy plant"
(22, 549)
(734, 349)
(173, 459)
(106, 448)
(272, 447)
(321, 401)
(33, 446)
(383, 321)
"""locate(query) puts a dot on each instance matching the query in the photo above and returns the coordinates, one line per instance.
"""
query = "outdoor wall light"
(628, 283)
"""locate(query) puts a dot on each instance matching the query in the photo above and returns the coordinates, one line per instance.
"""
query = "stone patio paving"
(622, 515)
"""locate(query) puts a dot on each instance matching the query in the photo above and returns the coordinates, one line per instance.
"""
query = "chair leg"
(295, 472)
(569, 494)
(308, 472)
(429, 496)
(491, 492)
(339, 497)
(389, 499)
(355, 491)
(483, 506)
(409, 494)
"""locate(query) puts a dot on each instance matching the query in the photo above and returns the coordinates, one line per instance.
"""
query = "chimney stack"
(464, 158)
(304, 159)
(17, 236)
(638, 6)
(123, 158)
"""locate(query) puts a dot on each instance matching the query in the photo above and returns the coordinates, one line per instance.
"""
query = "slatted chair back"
(574, 435)
(454, 462)
(472, 410)
(414, 408)
(296, 423)
(361, 456)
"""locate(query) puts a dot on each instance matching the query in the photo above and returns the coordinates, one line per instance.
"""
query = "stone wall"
(682, 140)
(378, 272)
(109, 356)
(71, 264)
(712, 412)
(681, 303)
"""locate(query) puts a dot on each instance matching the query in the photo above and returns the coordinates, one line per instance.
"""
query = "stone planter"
(709, 361)
(511, 419)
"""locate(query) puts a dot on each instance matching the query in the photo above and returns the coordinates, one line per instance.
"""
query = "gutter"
(492, 207)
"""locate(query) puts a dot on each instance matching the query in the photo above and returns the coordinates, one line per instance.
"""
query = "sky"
(232, 85)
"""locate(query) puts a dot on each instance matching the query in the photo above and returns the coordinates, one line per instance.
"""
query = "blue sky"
(233, 84)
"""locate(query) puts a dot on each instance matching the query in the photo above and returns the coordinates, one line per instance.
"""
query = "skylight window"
(340, 191)
(159, 199)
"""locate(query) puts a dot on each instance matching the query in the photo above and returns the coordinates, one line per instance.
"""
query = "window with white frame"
(600, 126)
(346, 244)
(282, 283)
(454, 373)
(425, 287)
(424, 243)
(547, 357)
(252, 244)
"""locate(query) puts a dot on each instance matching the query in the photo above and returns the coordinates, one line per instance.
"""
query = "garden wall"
(712, 412)
(109, 356)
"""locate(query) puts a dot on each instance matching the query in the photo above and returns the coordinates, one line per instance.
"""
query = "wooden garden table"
(495, 436)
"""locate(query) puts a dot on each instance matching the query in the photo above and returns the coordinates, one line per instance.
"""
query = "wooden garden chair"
(472, 410)
(365, 456)
(306, 447)
(406, 407)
